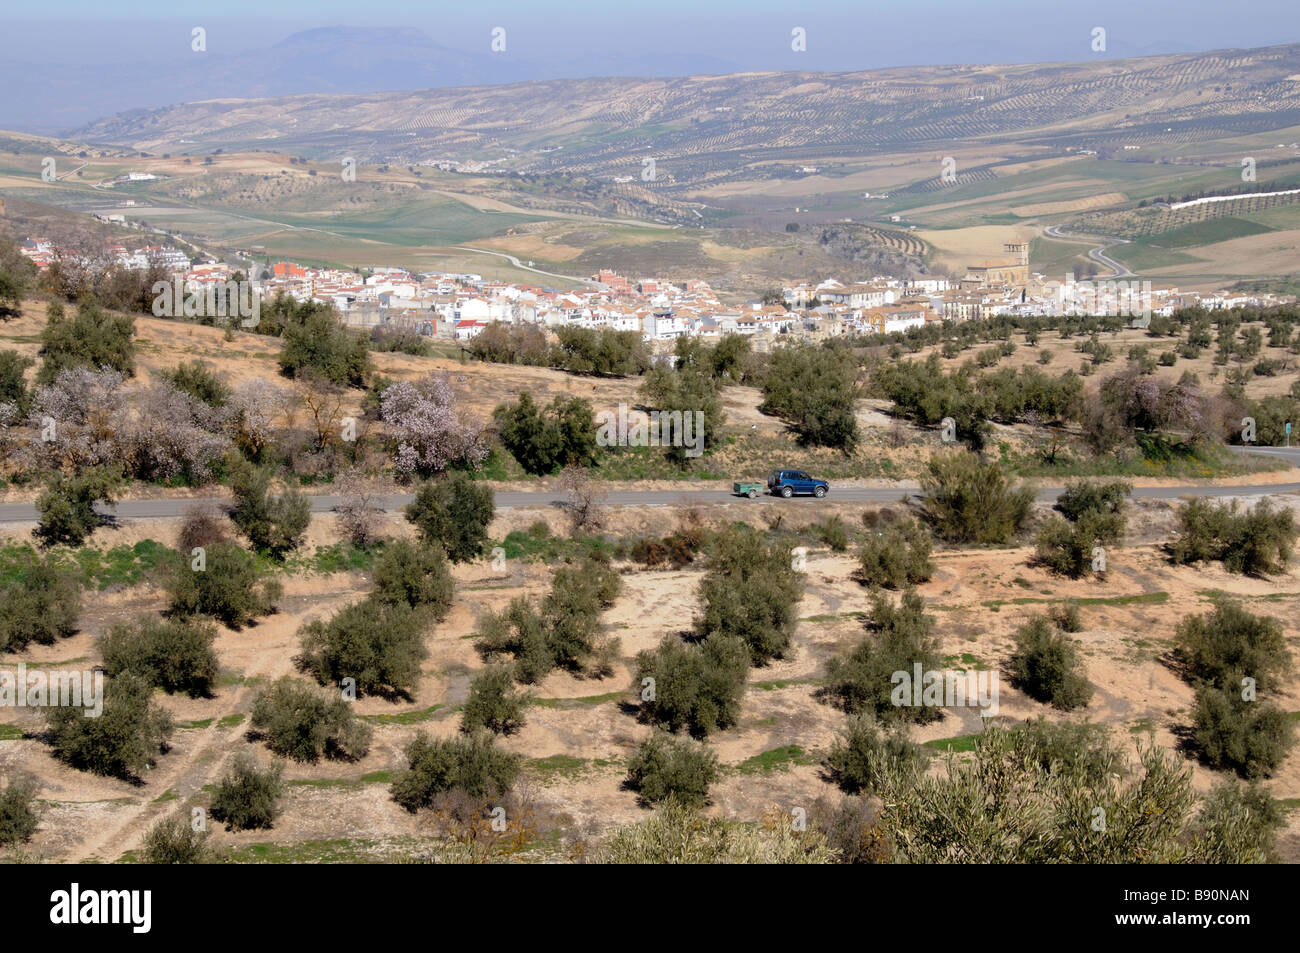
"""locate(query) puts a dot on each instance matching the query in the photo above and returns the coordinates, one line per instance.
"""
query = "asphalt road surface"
(162, 509)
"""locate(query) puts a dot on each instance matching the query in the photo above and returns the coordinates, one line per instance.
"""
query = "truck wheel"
(786, 492)
(819, 492)
(753, 494)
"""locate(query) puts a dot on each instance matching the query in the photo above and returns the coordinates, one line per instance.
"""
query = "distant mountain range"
(40, 98)
(705, 127)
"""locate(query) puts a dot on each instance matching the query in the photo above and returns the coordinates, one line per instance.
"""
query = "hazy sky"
(748, 34)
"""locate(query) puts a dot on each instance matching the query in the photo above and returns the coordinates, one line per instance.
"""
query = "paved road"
(161, 509)
(1097, 254)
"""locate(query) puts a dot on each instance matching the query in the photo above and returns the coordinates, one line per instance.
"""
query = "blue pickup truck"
(788, 483)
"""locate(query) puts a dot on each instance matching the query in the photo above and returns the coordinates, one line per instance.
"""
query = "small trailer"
(750, 489)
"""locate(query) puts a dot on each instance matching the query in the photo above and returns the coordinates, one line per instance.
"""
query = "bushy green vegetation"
(1228, 643)
(229, 584)
(897, 556)
(316, 344)
(543, 440)
(677, 834)
(967, 500)
(66, 508)
(123, 740)
(669, 768)
(1255, 542)
(18, 818)
(599, 351)
(41, 605)
(174, 654)
(379, 645)
(1250, 737)
(275, 524)
(454, 512)
(173, 840)
(493, 702)
(866, 752)
(247, 797)
(750, 593)
(678, 394)
(91, 338)
(901, 636)
(1094, 516)
(564, 632)
(303, 723)
(470, 764)
(1047, 666)
(813, 390)
(697, 687)
(194, 378)
(416, 575)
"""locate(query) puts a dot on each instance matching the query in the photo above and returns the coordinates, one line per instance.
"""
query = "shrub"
(750, 592)
(852, 829)
(18, 818)
(902, 636)
(970, 501)
(66, 508)
(472, 764)
(41, 605)
(860, 759)
(379, 645)
(1256, 542)
(316, 344)
(415, 575)
(1238, 824)
(427, 433)
(126, 737)
(678, 395)
(203, 527)
(696, 687)
(13, 384)
(276, 524)
(173, 840)
(897, 556)
(1067, 548)
(813, 390)
(91, 338)
(566, 630)
(1229, 643)
(359, 512)
(665, 767)
(1252, 738)
(455, 512)
(1081, 497)
(230, 586)
(599, 351)
(1047, 666)
(677, 834)
(1066, 617)
(246, 797)
(195, 379)
(302, 723)
(833, 533)
(173, 654)
(493, 702)
(544, 440)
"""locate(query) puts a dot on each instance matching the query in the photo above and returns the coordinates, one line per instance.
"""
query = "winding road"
(1097, 254)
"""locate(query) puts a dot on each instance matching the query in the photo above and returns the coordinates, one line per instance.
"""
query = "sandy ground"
(973, 597)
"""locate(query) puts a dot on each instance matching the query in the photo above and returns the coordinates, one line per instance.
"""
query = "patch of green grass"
(226, 721)
(966, 660)
(187, 725)
(403, 717)
(958, 744)
(93, 567)
(10, 733)
(557, 766)
(782, 758)
(373, 777)
(168, 795)
(574, 702)
(1142, 599)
